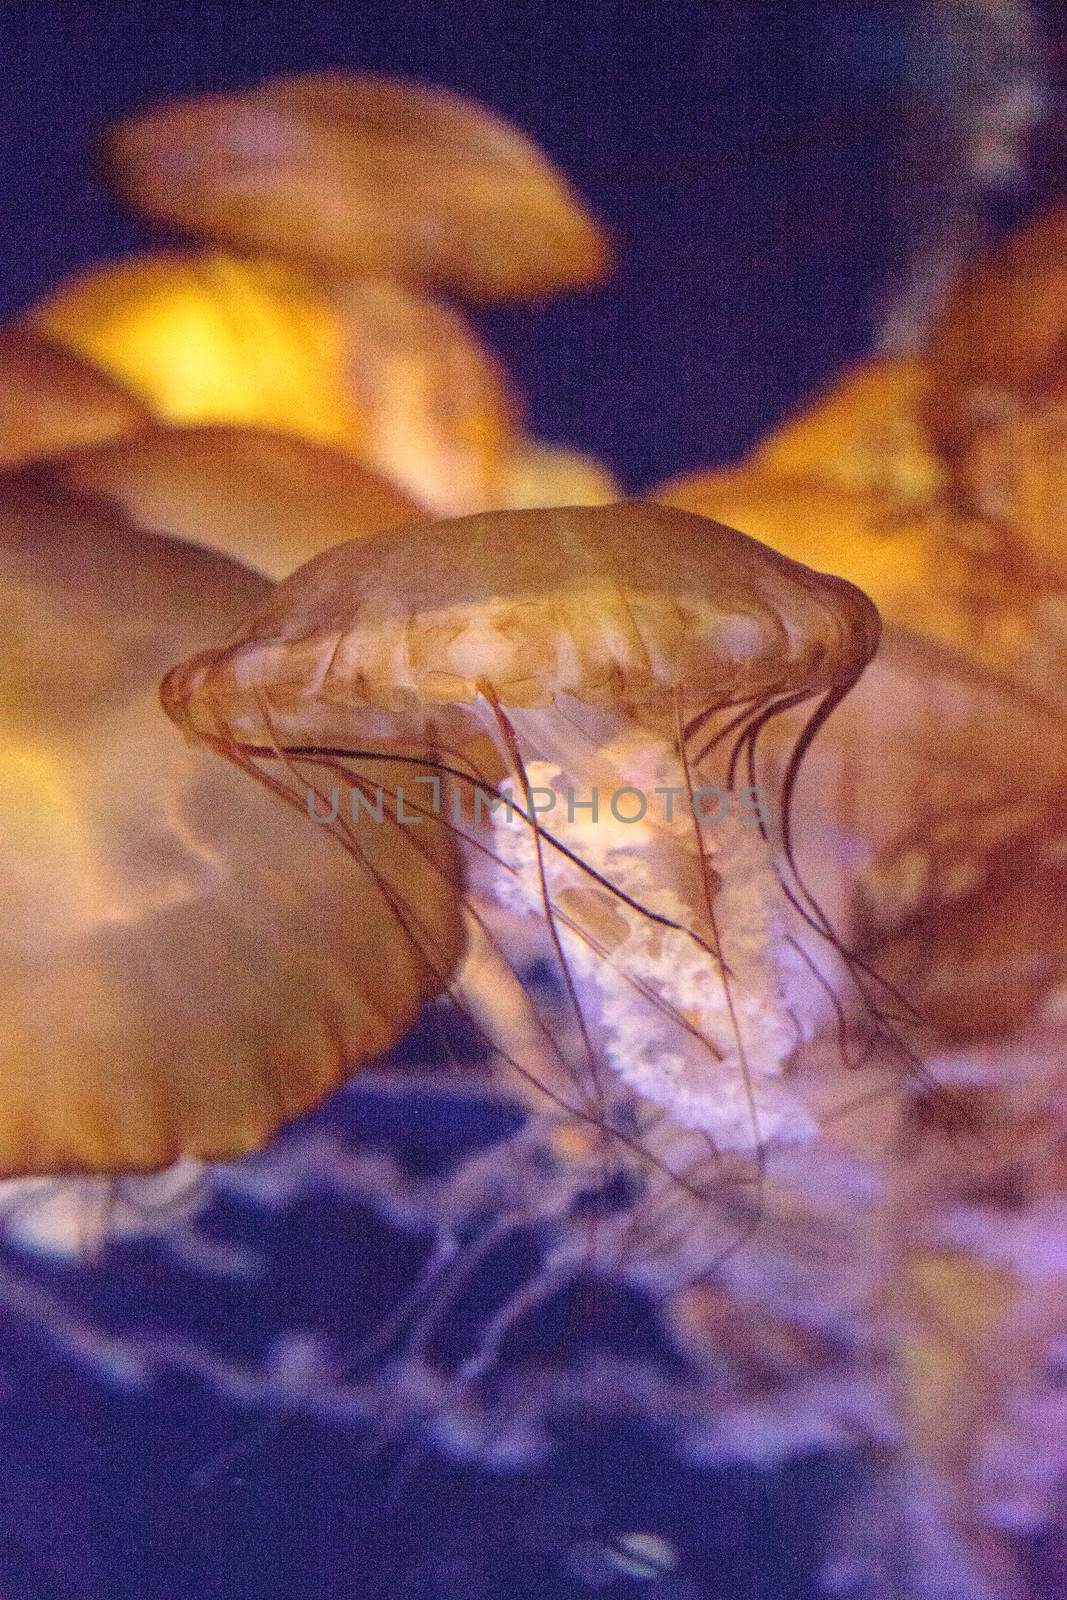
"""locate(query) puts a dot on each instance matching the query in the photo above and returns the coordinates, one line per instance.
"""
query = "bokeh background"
(747, 159)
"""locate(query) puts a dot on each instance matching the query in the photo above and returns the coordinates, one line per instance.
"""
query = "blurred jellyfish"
(181, 973)
(864, 433)
(270, 499)
(998, 400)
(364, 177)
(359, 199)
(378, 195)
(51, 401)
(206, 338)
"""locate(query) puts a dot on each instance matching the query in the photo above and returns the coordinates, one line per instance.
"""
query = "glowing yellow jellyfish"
(366, 177)
(210, 339)
(866, 432)
(614, 667)
(270, 499)
(181, 972)
(51, 401)
(397, 381)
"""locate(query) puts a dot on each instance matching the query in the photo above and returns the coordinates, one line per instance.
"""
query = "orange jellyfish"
(998, 402)
(398, 381)
(363, 177)
(866, 433)
(590, 686)
(271, 499)
(183, 967)
(52, 401)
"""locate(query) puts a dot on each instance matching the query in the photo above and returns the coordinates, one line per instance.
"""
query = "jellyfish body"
(366, 177)
(180, 976)
(270, 499)
(396, 379)
(864, 433)
(580, 657)
(51, 401)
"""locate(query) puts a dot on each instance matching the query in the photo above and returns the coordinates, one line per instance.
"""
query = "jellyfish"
(365, 198)
(998, 400)
(270, 499)
(51, 401)
(181, 973)
(865, 433)
(363, 177)
(567, 686)
(209, 339)
(384, 195)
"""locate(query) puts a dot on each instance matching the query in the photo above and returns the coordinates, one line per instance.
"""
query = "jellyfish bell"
(270, 499)
(181, 975)
(363, 176)
(1000, 341)
(442, 418)
(209, 339)
(864, 433)
(52, 401)
(388, 375)
(592, 665)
